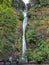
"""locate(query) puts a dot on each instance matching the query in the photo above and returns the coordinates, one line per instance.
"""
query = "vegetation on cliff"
(10, 26)
(37, 33)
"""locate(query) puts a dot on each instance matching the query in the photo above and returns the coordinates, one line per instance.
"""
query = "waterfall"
(24, 57)
(23, 38)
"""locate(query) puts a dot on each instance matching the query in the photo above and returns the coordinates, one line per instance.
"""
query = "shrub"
(32, 36)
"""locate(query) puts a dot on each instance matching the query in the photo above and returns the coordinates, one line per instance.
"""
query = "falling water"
(24, 57)
(23, 39)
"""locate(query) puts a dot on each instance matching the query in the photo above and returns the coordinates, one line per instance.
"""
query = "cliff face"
(37, 34)
(38, 17)
(10, 28)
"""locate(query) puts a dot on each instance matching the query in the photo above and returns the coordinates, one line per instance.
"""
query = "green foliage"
(1, 1)
(20, 47)
(21, 17)
(13, 3)
(35, 1)
(8, 47)
(7, 24)
(44, 2)
(38, 18)
(29, 54)
(40, 2)
(41, 53)
(47, 30)
(18, 4)
(8, 32)
(31, 36)
(7, 2)
(29, 15)
(9, 18)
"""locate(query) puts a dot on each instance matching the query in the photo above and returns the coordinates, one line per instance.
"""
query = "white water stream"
(24, 57)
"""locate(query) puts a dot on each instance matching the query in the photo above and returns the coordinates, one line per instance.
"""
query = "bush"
(32, 36)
